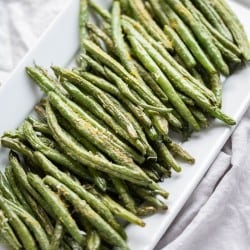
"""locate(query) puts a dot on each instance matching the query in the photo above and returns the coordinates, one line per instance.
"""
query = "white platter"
(58, 46)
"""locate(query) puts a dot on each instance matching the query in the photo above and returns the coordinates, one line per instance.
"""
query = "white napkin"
(22, 22)
(217, 215)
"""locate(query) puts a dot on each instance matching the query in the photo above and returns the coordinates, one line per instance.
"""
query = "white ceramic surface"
(58, 46)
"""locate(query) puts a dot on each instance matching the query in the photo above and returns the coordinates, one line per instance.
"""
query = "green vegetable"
(144, 17)
(233, 23)
(57, 237)
(202, 35)
(58, 207)
(20, 229)
(104, 229)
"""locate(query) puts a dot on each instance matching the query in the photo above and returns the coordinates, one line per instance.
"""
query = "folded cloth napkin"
(217, 215)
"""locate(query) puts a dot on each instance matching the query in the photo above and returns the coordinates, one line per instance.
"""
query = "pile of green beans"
(91, 161)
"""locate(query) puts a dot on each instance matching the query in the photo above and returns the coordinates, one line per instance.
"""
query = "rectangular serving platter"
(58, 46)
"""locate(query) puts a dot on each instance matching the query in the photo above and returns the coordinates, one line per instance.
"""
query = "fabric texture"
(22, 22)
(217, 215)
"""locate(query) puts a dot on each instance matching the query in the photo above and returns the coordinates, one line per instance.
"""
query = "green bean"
(95, 176)
(143, 34)
(189, 89)
(95, 203)
(40, 112)
(53, 154)
(101, 11)
(160, 169)
(32, 224)
(151, 199)
(121, 72)
(101, 96)
(205, 91)
(185, 34)
(18, 226)
(71, 243)
(137, 100)
(213, 18)
(77, 152)
(85, 129)
(47, 141)
(39, 126)
(93, 241)
(236, 28)
(39, 213)
(98, 180)
(101, 83)
(46, 85)
(167, 158)
(120, 211)
(17, 146)
(145, 211)
(58, 207)
(19, 196)
(119, 43)
(115, 141)
(124, 194)
(131, 95)
(159, 13)
(163, 82)
(118, 116)
(104, 229)
(142, 118)
(152, 171)
(7, 233)
(83, 19)
(216, 87)
(137, 111)
(57, 236)
(94, 107)
(103, 36)
(125, 58)
(161, 124)
(187, 100)
(200, 117)
(95, 39)
(21, 177)
(202, 35)
(150, 10)
(180, 47)
(93, 65)
(151, 82)
(108, 87)
(152, 174)
(5, 189)
(176, 149)
(86, 157)
(198, 76)
(144, 17)
(135, 123)
(227, 54)
(124, 5)
(151, 154)
(225, 42)
(17, 134)
(21, 148)
(41, 80)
